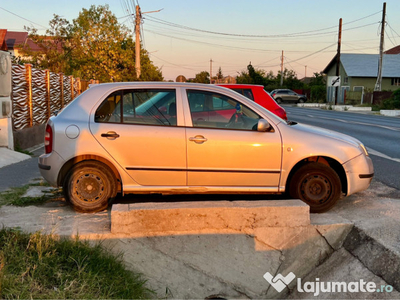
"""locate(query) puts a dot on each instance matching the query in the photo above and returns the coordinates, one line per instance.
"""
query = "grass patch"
(18, 149)
(38, 266)
(13, 196)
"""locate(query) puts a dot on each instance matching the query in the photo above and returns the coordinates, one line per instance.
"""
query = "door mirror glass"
(264, 126)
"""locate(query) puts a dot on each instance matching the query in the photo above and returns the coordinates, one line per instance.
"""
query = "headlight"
(362, 147)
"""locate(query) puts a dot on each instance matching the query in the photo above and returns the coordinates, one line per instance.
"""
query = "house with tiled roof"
(3, 44)
(358, 72)
(15, 41)
(394, 50)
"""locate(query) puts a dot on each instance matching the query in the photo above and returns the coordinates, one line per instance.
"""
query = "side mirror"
(264, 126)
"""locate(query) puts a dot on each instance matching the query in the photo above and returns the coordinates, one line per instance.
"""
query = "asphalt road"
(380, 134)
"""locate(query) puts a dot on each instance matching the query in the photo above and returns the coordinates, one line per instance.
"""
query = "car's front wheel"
(89, 186)
(317, 185)
(279, 100)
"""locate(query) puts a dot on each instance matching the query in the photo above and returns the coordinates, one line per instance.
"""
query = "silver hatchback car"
(180, 138)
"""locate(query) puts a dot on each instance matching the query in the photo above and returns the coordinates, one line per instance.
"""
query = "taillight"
(48, 139)
(280, 112)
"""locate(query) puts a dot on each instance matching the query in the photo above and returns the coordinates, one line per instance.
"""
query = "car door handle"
(198, 139)
(112, 135)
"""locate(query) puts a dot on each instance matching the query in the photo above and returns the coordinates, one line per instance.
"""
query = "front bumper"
(359, 172)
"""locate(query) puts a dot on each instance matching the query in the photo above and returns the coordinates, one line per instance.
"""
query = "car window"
(245, 92)
(144, 106)
(213, 110)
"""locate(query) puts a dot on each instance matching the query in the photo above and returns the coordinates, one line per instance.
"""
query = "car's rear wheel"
(317, 185)
(278, 100)
(301, 100)
(89, 186)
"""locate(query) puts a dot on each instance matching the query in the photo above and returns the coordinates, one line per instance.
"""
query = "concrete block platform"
(224, 248)
(149, 218)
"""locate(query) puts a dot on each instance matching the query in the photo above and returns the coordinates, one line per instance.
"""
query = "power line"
(298, 34)
(212, 44)
(23, 18)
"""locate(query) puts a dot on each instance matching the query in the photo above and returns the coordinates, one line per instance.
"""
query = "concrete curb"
(350, 108)
(335, 107)
(382, 261)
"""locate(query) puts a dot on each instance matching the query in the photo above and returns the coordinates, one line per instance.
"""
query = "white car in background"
(180, 138)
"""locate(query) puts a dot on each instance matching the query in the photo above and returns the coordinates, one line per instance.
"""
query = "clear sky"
(185, 35)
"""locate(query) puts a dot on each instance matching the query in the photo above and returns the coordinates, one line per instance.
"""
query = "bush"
(393, 102)
(318, 94)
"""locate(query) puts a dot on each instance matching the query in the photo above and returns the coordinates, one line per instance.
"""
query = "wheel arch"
(332, 163)
(75, 160)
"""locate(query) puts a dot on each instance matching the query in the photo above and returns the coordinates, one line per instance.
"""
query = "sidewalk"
(8, 157)
(17, 169)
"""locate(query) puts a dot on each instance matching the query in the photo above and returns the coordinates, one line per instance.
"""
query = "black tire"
(317, 185)
(301, 100)
(278, 100)
(89, 186)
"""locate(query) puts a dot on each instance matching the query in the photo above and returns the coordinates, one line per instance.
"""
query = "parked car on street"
(182, 138)
(285, 95)
(260, 96)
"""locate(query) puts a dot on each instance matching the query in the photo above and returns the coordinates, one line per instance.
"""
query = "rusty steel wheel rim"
(89, 187)
(316, 188)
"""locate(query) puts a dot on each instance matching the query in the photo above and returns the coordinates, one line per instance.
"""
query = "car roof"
(240, 85)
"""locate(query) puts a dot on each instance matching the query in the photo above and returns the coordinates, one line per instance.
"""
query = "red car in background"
(259, 95)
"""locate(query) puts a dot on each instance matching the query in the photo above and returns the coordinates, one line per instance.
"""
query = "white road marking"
(354, 122)
(377, 153)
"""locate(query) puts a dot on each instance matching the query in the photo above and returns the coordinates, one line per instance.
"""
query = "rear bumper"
(50, 166)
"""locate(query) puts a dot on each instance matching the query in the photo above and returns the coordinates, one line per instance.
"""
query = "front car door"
(224, 147)
(292, 96)
(138, 128)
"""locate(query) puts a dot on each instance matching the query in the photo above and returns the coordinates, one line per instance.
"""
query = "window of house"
(396, 81)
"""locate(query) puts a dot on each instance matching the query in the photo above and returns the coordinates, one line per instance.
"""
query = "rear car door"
(228, 150)
(138, 128)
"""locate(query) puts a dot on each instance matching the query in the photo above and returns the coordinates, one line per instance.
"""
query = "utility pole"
(282, 69)
(305, 72)
(338, 59)
(138, 20)
(378, 85)
(211, 61)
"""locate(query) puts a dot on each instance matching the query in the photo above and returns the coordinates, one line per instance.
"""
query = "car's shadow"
(134, 198)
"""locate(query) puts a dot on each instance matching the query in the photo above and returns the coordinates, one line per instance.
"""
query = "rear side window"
(144, 106)
(245, 92)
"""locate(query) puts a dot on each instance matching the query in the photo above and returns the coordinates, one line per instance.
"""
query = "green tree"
(101, 46)
(219, 74)
(318, 79)
(252, 76)
(290, 80)
(55, 48)
(202, 77)
(94, 46)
